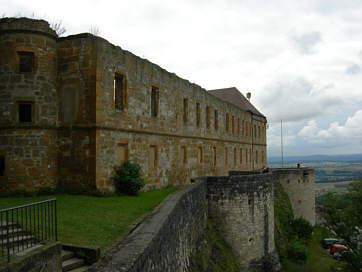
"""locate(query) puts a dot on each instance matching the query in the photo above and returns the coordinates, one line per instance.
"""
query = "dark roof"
(233, 96)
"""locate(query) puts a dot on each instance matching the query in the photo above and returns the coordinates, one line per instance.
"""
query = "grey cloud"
(306, 43)
(353, 69)
(294, 100)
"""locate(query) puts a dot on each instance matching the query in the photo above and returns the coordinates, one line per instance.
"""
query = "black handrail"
(24, 226)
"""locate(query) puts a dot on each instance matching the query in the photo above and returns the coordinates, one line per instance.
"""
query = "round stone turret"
(28, 104)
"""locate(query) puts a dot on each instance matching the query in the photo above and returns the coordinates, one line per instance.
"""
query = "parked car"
(328, 242)
(337, 248)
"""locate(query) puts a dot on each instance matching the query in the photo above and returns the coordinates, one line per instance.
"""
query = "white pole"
(281, 141)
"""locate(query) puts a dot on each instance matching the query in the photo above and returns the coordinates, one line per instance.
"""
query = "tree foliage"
(127, 178)
(343, 215)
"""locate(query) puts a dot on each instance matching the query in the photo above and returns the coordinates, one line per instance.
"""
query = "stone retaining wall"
(166, 239)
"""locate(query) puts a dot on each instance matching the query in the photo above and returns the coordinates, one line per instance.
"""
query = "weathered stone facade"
(299, 184)
(93, 105)
(243, 210)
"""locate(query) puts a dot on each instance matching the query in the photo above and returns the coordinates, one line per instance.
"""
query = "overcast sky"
(301, 60)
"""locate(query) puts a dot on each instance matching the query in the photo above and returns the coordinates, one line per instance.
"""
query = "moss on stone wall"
(283, 217)
(213, 254)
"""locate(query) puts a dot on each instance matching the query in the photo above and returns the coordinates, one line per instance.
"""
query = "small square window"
(26, 62)
(25, 112)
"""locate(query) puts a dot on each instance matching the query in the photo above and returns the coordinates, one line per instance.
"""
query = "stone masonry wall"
(165, 240)
(243, 212)
(299, 185)
(29, 148)
(135, 126)
(76, 93)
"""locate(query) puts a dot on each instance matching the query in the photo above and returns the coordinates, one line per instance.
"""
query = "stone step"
(71, 264)
(10, 224)
(11, 232)
(14, 241)
(80, 269)
(66, 255)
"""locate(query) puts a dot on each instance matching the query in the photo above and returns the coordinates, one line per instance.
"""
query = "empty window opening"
(216, 119)
(226, 156)
(26, 62)
(246, 128)
(2, 166)
(242, 128)
(238, 126)
(25, 111)
(262, 157)
(198, 114)
(255, 132)
(207, 117)
(250, 154)
(154, 101)
(184, 154)
(246, 156)
(186, 110)
(199, 155)
(119, 92)
(227, 122)
(234, 155)
(121, 153)
(259, 134)
(214, 156)
(232, 124)
(249, 202)
(153, 157)
(256, 156)
(241, 155)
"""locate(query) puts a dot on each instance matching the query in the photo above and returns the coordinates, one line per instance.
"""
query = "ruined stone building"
(73, 107)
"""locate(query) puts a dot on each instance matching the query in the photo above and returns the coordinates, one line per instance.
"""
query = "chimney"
(248, 95)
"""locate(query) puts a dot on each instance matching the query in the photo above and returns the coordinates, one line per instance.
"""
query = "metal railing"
(24, 226)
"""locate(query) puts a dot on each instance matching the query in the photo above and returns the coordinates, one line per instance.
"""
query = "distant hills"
(317, 158)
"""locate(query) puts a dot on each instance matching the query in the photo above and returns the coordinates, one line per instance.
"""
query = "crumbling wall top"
(26, 25)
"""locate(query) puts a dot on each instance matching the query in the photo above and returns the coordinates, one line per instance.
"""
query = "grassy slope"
(214, 254)
(95, 221)
(318, 259)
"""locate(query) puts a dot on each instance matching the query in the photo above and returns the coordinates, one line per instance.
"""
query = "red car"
(337, 248)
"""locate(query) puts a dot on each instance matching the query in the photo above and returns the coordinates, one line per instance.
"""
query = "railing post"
(7, 236)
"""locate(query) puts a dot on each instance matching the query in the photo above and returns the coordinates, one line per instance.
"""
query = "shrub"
(127, 178)
(302, 228)
(296, 252)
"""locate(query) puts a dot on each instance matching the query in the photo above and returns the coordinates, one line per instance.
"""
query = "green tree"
(127, 178)
(343, 215)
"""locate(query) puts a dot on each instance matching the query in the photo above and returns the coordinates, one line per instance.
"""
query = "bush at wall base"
(127, 178)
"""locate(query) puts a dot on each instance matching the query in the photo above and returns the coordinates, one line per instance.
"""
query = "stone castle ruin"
(74, 107)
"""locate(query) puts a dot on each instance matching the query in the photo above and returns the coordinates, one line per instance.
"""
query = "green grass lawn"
(319, 260)
(95, 221)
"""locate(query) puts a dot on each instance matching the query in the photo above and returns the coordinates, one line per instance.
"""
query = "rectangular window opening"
(2, 166)
(199, 154)
(153, 157)
(241, 155)
(154, 101)
(186, 110)
(25, 112)
(238, 126)
(119, 92)
(214, 156)
(207, 117)
(227, 122)
(184, 154)
(232, 124)
(226, 156)
(234, 155)
(121, 153)
(198, 114)
(216, 119)
(26, 62)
